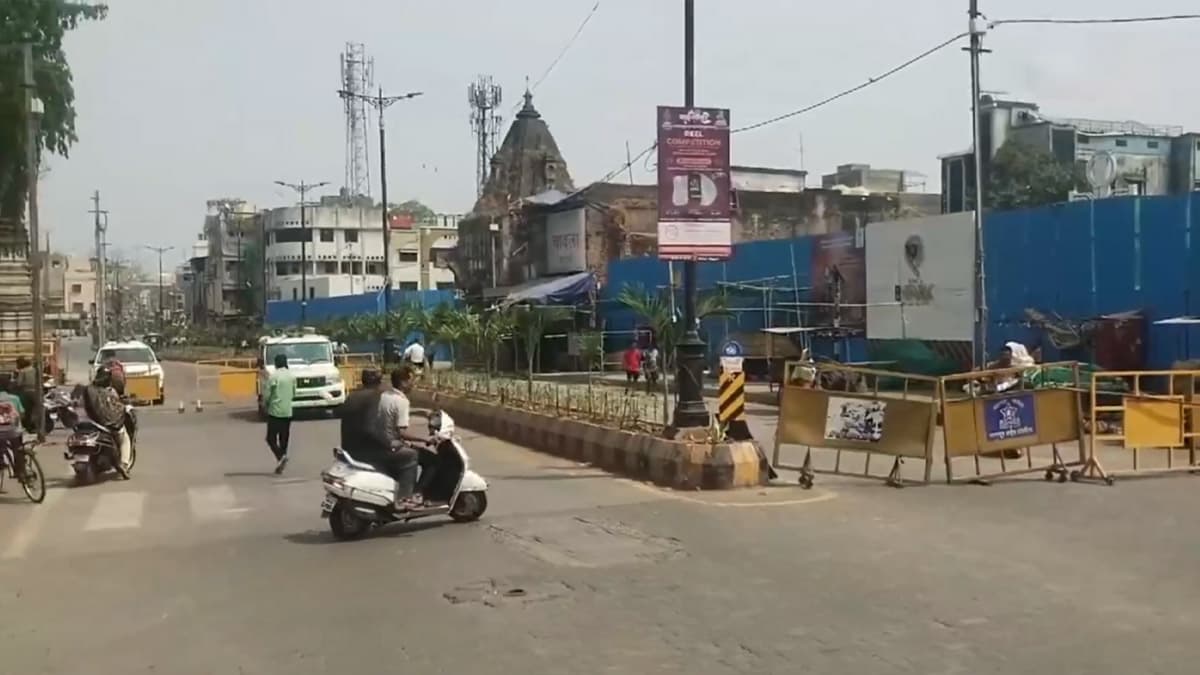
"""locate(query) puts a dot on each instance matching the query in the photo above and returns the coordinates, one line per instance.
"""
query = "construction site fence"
(995, 423)
(632, 410)
(1143, 422)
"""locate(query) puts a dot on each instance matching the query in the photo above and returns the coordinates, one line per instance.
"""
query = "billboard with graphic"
(694, 201)
(921, 278)
(839, 276)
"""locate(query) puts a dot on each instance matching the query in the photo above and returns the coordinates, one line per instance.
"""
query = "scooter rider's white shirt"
(415, 353)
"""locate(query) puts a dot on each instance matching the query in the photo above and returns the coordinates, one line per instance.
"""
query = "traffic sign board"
(731, 348)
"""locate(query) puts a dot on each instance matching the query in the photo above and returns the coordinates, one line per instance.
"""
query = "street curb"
(674, 464)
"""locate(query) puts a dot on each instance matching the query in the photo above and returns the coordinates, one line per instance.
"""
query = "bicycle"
(34, 483)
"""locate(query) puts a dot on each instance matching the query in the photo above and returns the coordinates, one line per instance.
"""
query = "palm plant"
(655, 310)
(530, 323)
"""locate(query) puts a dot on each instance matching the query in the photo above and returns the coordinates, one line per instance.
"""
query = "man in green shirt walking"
(281, 391)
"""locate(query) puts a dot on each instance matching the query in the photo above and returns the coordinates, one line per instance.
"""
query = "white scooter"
(359, 496)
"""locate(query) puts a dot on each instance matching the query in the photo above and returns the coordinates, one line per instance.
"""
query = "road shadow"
(251, 415)
(393, 530)
(251, 474)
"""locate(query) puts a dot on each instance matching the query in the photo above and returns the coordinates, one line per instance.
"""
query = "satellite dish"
(1101, 172)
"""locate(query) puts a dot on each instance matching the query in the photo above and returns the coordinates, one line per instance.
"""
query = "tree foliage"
(419, 212)
(44, 24)
(655, 310)
(1024, 176)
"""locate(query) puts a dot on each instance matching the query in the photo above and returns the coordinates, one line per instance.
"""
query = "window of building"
(408, 286)
(1083, 140)
(446, 286)
(351, 236)
(281, 268)
(294, 294)
(1121, 143)
(292, 236)
(76, 288)
(312, 292)
(1151, 144)
(77, 308)
(408, 256)
(329, 267)
(346, 268)
(326, 235)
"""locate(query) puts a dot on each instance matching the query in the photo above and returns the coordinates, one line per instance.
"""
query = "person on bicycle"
(12, 433)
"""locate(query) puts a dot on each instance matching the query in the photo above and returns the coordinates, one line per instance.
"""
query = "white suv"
(137, 358)
(310, 358)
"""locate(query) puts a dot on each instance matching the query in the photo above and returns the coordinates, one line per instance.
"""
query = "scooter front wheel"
(469, 507)
(347, 525)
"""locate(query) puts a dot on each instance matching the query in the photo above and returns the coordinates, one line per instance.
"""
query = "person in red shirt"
(632, 359)
(118, 374)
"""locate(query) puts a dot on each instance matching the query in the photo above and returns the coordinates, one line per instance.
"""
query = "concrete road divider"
(680, 465)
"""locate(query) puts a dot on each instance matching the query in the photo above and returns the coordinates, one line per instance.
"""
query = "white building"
(345, 251)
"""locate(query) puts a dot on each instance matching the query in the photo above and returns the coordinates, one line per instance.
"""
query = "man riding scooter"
(104, 407)
(361, 438)
(391, 426)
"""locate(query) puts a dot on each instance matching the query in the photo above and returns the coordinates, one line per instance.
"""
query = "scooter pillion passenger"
(360, 495)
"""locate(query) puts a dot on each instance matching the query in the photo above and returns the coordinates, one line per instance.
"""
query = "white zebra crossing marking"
(116, 511)
(28, 530)
(214, 502)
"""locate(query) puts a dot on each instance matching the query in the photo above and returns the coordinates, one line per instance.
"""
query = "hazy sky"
(184, 101)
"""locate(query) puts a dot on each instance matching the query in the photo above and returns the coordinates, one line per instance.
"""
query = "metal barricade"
(358, 359)
(994, 417)
(142, 389)
(1163, 419)
(831, 408)
(226, 380)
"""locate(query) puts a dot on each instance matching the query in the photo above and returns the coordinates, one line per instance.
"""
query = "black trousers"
(279, 433)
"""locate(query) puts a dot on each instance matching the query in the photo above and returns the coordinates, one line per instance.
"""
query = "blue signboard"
(731, 348)
(1010, 417)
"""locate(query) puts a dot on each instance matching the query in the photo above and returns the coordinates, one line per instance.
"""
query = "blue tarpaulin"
(566, 290)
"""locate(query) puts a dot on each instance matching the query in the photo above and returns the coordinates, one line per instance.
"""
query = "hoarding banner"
(694, 210)
(566, 249)
(839, 263)
(921, 279)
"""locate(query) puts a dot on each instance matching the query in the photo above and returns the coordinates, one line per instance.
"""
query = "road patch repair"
(572, 541)
(698, 464)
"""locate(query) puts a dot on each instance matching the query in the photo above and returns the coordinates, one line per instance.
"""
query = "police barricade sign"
(1012, 421)
(1152, 414)
(844, 416)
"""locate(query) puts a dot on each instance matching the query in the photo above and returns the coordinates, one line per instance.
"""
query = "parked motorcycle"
(93, 450)
(358, 496)
(60, 409)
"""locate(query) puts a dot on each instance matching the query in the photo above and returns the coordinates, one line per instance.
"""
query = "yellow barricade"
(351, 377)
(994, 417)
(360, 359)
(839, 409)
(142, 389)
(226, 380)
(1147, 417)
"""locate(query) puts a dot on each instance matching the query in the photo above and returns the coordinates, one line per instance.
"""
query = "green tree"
(1024, 176)
(419, 212)
(44, 24)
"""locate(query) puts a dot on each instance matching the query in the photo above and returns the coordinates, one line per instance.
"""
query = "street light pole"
(979, 341)
(303, 188)
(160, 250)
(382, 103)
(690, 410)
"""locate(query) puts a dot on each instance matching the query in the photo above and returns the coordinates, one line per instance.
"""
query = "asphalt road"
(206, 563)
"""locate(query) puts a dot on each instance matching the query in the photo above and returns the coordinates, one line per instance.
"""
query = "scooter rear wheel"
(346, 525)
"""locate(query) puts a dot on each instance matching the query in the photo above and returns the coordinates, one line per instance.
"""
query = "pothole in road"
(580, 542)
(500, 593)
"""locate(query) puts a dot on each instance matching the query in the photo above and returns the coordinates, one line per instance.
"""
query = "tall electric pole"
(381, 103)
(979, 342)
(303, 188)
(100, 227)
(690, 410)
(33, 112)
(160, 250)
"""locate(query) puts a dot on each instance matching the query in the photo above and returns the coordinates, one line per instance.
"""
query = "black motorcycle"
(93, 449)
